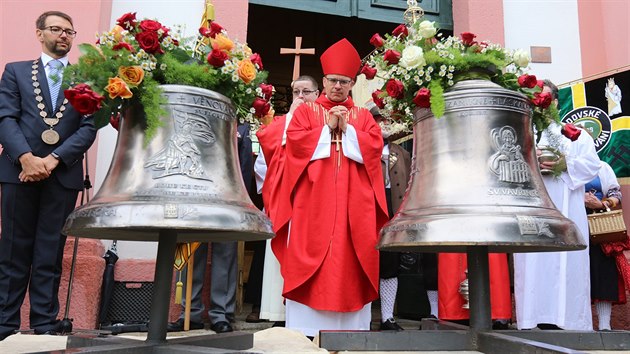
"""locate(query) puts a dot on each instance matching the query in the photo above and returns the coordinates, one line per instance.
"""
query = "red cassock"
(335, 206)
(270, 139)
(451, 272)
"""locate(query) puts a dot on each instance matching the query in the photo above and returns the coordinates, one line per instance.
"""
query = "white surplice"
(554, 287)
(271, 300)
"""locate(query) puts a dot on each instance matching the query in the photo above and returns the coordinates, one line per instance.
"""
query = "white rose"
(521, 58)
(412, 57)
(427, 29)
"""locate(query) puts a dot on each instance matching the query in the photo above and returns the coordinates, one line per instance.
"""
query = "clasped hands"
(36, 168)
(338, 117)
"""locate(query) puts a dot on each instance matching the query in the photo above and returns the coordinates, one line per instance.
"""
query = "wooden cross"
(297, 51)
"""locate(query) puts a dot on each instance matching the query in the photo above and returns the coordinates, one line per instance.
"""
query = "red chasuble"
(451, 272)
(270, 139)
(335, 206)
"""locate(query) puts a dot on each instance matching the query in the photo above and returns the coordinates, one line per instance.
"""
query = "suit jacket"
(245, 155)
(399, 167)
(21, 127)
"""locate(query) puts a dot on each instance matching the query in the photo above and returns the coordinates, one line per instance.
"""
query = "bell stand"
(232, 342)
(479, 336)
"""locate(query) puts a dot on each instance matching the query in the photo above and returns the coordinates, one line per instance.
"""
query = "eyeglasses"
(58, 30)
(341, 82)
(303, 92)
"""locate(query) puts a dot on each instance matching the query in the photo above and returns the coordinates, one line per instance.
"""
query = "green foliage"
(127, 71)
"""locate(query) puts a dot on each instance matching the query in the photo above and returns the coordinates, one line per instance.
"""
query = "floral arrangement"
(418, 64)
(128, 63)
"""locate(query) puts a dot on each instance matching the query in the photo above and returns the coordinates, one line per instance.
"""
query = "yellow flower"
(132, 75)
(118, 88)
(247, 51)
(268, 118)
(222, 42)
(246, 71)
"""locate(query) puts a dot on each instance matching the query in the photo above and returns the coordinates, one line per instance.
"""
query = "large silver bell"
(186, 179)
(475, 180)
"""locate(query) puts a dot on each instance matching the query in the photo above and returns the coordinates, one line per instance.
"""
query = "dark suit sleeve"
(11, 136)
(245, 155)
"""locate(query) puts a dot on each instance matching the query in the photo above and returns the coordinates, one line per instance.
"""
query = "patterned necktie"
(54, 80)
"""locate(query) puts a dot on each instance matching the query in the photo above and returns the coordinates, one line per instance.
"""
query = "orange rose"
(246, 71)
(132, 75)
(118, 88)
(117, 32)
(222, 42)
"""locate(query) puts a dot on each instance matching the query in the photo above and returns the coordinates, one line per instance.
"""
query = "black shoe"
(57, 328)
(548, 326)
(221, 327)
(178, 325)
(500, 325)
(4, 335)
(390, 325)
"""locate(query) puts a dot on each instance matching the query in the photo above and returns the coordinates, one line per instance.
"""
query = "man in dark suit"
(224, 271)
(41, 173)
(396, 164)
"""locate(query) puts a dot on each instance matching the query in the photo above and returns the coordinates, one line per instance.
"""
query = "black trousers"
(31, 250)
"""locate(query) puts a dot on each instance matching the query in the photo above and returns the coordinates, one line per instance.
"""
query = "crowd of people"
(330, 178)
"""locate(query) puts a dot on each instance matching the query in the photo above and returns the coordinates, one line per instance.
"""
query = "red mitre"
(341, 59)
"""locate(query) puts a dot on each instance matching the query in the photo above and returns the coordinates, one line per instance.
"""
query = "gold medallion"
(50, 137)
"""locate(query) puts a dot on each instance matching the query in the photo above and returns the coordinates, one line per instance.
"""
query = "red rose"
(215, 29)
(114, 120)
(165, 31)
(391, 56)
(368, 71)
(423, 98)
(542, 99)
(257, 60)
(528, 81)
(150, 42)
(395, 88)
(127, 21)
(540, 83)
(204, 31)
(150, 25)
(261, 106)
(378, 101)
(400, 31)
(468, 39)
(217, 58)
(571, 131)
(267, 90)
(83, 99)
(376, 40)
(123, 45)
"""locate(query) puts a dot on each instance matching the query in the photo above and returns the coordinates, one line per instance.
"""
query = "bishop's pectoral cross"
(298, 50)
(336, 138)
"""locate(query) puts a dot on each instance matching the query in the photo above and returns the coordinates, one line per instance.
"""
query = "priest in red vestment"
(272, 139)
(332, 206)
(452, 271)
